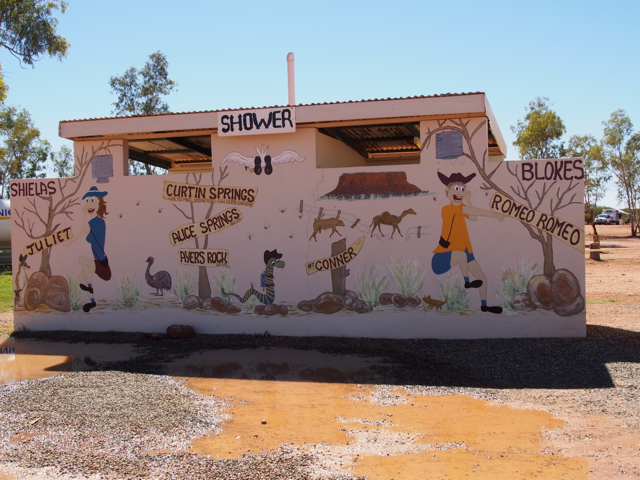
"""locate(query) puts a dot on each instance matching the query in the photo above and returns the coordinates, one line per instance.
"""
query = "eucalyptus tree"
(28, 31)
(539, 134)
(596, 172)
(622, 149)
(141, 93)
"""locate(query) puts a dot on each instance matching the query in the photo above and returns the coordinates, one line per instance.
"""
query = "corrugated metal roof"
(278, 106)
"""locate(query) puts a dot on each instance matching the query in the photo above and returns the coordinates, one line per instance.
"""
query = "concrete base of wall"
(377, 324)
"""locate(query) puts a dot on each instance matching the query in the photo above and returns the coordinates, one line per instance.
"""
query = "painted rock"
(233, 309)
(38, 279)
(539, 290)
(348, 303)
(571, 308)
(328, 303)
(259, 309)
(191, 302)
(219, 304)
(57, 298)
(565, 287)
(305, 305)
(385, 298)
(522, 302)
(270, 309)
(360, 306)
(58, 281)
(413, 301)
(206, 304)
(351, 294)
(399, 300)
(283, 310)
(180, 331)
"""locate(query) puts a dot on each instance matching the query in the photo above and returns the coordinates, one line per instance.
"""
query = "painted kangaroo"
(385, 218)
(21, 280)
(271, 260)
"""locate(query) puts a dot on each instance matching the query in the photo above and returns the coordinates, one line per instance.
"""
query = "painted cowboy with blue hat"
(94, 227)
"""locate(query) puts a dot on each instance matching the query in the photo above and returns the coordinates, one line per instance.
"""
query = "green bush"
(407, 274)
(185, 284)
(75, 294)
(128, 293)
(370, 283)
(514, 280)
(452, 288)
(223, 279)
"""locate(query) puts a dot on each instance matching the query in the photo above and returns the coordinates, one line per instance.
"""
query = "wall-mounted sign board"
(257, 122)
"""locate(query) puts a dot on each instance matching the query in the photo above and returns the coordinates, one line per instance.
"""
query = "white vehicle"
(604, 218)
(615, 216)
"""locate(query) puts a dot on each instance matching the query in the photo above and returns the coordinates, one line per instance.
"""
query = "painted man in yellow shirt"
(454, 247)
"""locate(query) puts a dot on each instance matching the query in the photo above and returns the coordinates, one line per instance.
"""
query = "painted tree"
(28, 32)
(41, 217)
(22, 152)
(622, 155)
(204, 286)
(140, 93)
(535, 194)
(596, 172)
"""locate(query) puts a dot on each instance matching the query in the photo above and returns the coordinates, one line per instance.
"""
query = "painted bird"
(160, 280)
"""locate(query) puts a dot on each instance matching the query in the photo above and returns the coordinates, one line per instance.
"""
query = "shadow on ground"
(490, 363)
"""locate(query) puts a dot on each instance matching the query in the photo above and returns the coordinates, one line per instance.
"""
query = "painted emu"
(160, 281)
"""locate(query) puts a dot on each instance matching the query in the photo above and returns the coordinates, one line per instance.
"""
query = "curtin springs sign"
(257, 122)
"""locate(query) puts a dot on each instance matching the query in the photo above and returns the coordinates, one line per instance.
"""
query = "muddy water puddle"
(404, 437)
(30, 360)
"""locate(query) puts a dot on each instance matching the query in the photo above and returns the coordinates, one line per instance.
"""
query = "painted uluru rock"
(375, 183)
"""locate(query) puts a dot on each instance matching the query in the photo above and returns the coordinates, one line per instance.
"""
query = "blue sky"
(582, 55)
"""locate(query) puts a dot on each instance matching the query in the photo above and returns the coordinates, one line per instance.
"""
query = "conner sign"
(257, 122)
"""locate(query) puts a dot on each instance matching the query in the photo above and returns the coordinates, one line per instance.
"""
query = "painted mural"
(456, 246)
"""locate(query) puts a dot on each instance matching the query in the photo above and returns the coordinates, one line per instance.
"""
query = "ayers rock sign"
(365, 185)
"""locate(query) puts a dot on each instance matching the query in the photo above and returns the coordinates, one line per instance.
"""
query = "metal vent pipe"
(292, 79)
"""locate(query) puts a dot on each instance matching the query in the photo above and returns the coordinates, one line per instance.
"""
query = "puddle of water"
(280, 364)
(30, 360)
(425, 437)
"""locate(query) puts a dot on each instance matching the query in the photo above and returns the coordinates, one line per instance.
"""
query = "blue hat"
(93, 192)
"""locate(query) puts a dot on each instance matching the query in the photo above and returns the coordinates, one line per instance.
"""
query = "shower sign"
(257, 122)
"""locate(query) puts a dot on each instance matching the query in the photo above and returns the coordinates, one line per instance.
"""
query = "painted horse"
(271, 260)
